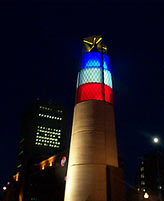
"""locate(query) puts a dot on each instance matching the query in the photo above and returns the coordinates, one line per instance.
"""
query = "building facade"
(43, 133)
(45, 181)
(150, 175)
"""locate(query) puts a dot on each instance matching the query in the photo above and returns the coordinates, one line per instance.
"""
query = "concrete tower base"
(93, 173)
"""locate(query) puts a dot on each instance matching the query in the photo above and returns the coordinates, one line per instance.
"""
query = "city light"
(4, 188)
(146, 195)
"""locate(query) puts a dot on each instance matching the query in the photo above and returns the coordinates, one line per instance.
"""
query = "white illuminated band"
(94, 75)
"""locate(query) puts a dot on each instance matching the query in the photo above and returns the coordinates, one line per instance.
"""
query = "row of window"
(47, 141)
(49, 145)
(21, 152)
(21, 140)
(60, 111)
(142, 183)
(142, 169)
(49, 135)
(50, 129)
(45, 108)
(19, 165)
(49, 109)
(44, 131)
(50, 117)
(46, 138)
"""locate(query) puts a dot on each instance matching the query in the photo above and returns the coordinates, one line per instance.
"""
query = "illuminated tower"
(93, 173)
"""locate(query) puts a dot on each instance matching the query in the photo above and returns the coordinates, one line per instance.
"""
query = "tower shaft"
(93, 173)
(93, 148)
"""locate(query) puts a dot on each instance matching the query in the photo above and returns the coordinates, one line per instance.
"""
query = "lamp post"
(156, 141)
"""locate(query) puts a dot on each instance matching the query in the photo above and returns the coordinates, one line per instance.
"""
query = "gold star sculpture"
(94, 43)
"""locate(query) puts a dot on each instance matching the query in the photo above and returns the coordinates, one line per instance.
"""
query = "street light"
(4, 188)
(146, 195)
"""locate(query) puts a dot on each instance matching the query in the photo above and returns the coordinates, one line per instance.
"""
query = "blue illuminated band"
(94, 59)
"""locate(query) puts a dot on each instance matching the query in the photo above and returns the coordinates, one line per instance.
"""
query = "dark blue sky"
(41, 45)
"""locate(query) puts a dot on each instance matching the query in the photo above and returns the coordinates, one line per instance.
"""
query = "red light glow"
(63, 161)
(94, 91)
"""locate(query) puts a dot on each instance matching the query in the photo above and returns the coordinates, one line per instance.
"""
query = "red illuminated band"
(94, 91)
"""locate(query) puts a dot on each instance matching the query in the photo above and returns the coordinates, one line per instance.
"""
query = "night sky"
(40, 46)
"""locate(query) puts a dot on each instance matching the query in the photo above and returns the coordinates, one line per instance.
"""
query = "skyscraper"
(93, 172)
(43, 132)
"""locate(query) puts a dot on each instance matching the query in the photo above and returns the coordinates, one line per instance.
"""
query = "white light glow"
(156, 140)
(94, 75)
(4, 188)
(146, 195)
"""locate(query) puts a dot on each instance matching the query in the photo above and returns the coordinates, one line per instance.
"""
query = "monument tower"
(93, 172)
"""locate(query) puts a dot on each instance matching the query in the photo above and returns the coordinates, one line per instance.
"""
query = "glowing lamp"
(4, 188)
(146, 195)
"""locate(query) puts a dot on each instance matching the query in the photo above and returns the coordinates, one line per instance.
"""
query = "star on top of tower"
(94, 43)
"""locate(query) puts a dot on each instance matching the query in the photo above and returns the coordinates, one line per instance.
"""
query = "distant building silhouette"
(150, 175)
(42, 144)
(149, 178)
(43, 133)
(44, 180)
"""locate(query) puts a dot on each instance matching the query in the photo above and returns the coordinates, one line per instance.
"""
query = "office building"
(43, 133)
(93, 173)
(150, 175)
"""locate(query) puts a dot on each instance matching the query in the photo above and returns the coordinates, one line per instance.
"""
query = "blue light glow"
(93, 59)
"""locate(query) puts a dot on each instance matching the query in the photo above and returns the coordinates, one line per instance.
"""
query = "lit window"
(142, 183)
(142, 169)
(142, 176)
